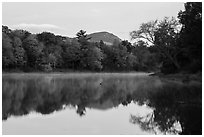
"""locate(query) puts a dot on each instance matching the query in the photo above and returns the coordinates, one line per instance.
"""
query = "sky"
(68, 18)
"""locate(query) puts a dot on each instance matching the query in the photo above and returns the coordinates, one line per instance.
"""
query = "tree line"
(169, 45)
(48, 52)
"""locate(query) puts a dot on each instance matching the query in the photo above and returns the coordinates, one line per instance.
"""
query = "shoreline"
(184, 77)
(78, 74)
(181, 77)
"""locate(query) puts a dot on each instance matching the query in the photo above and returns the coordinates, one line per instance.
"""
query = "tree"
(7, 51)
(121, 56)
(52, 49)
(22, 34)
(82, 37)
(146, 32)
(144, 58)
(71, 55)
(91, 57)
(162, 34)
(128, 45)
(6, 30)
(33, 50)
(12, 48)
(191, 36)
(47, 38)
(166, 40)
(116, 57)
(19, 52)
(90, 54)
(131, 62)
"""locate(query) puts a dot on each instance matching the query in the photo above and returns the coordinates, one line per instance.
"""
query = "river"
(99, 104)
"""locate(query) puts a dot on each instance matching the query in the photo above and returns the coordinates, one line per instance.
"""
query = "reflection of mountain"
(170, 101)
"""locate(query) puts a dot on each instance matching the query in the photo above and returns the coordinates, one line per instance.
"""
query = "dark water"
(99, 104)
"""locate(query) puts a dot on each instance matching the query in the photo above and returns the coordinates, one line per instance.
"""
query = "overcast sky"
(68, 18)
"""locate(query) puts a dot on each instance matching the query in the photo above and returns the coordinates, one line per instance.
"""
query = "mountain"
(106, 37)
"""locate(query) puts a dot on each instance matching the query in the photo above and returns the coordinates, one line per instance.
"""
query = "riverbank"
(184, 77)
(77, 74)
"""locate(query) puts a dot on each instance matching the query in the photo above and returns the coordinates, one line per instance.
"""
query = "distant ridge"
(106, 37)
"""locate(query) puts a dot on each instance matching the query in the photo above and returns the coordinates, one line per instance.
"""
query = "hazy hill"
(106, 37)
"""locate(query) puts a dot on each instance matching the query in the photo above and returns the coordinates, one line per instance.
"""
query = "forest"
(170, 45)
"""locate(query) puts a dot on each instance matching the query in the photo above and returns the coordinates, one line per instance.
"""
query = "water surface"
(104, 103)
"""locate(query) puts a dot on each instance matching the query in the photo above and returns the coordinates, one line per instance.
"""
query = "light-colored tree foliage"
(163, 35)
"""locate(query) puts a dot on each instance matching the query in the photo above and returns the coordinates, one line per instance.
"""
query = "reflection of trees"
(146, 123)
(81, 110)
(49, 94)
(172, 103)
(151, 123)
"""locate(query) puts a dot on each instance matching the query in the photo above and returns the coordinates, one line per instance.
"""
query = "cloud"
(36, 28)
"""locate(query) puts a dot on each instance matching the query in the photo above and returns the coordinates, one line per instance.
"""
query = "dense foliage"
(48, 52)
(177, 42)
(169, 45)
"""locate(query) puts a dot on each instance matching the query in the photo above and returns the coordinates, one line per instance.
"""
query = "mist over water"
(99, 104)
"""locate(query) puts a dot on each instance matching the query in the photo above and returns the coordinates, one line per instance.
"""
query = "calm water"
(99, 104)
